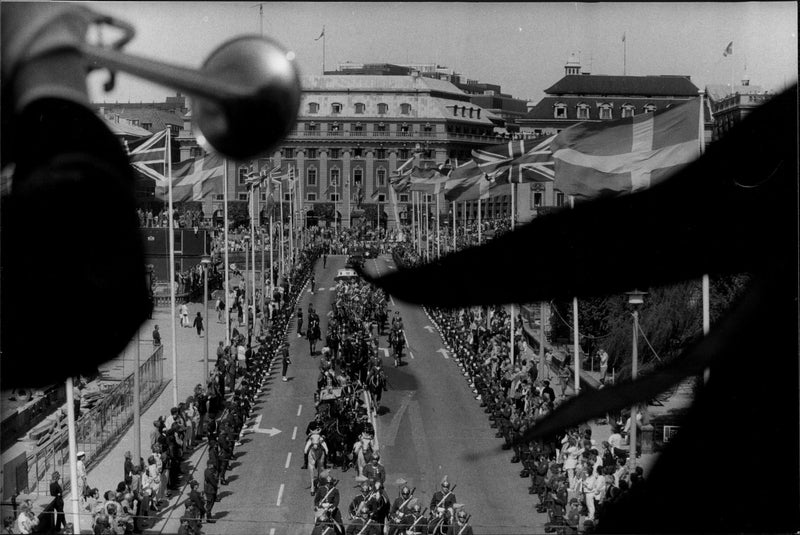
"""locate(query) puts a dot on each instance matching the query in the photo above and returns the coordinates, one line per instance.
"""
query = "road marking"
(280, 496)
(385, 352)
(288, 459)
(332, 288)
(394, 426)
(294, 433)
(272, 531)
(411, 354)
(443, 352)
(257, 427)
(299, 409)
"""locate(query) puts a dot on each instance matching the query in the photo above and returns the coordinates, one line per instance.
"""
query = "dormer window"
(405, 109)
(336, 108)
(649, 108)
(628, 110)
(360, 107)
(383, 109)
(313, 107)
(560, 111)
(583, 111)
(455, 111)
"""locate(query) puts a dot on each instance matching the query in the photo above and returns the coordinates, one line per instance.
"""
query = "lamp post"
(635, 298)
(205, 262)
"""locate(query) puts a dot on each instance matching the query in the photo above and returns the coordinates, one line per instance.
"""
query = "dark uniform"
(416, 522)
(210, 487)
(328, 493)
(399, 511)
(355, 504)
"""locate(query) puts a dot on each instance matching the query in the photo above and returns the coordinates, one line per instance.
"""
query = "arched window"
(405, 109)
(628, 110)
(605, 110)
(560, 111)
(360, 107)
(311, 176)
(313, 107)
(648, 108)
(383, 109)
(583, 111)
(336, 108)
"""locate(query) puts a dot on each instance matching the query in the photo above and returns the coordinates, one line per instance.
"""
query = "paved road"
(431, 426)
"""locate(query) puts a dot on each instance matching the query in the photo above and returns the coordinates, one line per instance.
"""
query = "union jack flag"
(149, 158)
(523, 160)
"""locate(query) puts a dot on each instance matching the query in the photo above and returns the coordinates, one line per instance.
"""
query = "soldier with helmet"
(415, 520)
(355, 504)
(326, 498)
(400, 509)
(461, 524)
(362, 524)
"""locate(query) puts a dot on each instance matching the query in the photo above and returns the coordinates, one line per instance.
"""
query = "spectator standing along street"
(198, 324)
(156, 337)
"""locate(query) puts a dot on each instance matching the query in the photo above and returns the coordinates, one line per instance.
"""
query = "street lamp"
(635, 298)
(206, 262)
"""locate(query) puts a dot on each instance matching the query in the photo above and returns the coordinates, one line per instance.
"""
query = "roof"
(158, 119)
(125, 129)
(367, 82)
(545, 109)
(602, 84)
(720, 91)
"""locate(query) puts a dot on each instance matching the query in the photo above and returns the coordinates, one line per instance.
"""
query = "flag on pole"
(149, 158)
(426, 180)
(196, 178)
(728, 50)
(523, 160)
(321, 35)
(626, 155)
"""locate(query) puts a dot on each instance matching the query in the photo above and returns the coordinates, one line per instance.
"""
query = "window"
(263, 197)
(334, 154)
(219, 197)
(358, 175)
(312, 128)
(358, 152)
(427, 130)
(242, 175)
(311, 153)
(560, 111)
(288, 152)
(583, 111)
(383, 109)
(287, 196)
(360, 107)
(147, 126)
(242, 196)
(311, 176)
(404, 129)
(628, 110)
(135, 122)
(313, 107)
(537, 199)
(380, 154)
(537, 132)
(334, 181)
(403, 154)
(334, 197)
(380, 129)
(649, 108)
(405, 109)
(403, 197)
(428, 198)
(381, 177)
(605, 111)
(559, 199)
(381, 197)
(334, 129)
(358, 128)
(310, 196)
(336, 108)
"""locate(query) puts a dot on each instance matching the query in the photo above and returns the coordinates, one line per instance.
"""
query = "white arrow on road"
(444, 353)
(428, 328)
(257, 428)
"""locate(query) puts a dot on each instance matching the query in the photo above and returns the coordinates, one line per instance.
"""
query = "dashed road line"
(299, 409)
(272, 531)
(280, 496)
(294, 433)
(288, 460)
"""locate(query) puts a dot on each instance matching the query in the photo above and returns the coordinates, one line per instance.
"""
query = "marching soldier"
(355, 504)
(210, 487)
(461, 525)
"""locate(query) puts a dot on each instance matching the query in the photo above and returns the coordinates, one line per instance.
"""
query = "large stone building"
(581, 97)
(731, 104)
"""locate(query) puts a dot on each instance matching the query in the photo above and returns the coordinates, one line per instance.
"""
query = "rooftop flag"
(149, 157)
(626, 155)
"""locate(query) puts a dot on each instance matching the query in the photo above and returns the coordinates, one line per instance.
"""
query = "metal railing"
(98, 429)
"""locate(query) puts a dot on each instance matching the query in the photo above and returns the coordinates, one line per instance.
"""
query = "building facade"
(730, 105)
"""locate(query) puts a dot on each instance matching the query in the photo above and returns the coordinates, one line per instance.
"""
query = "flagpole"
(453, 206)
(705, 280)
(513, 318)
(465, 225)
(624, 55)
(72, 445)
(172, 274)
(227, 260)
(263, 269)
(253, 263)
(479, 220)
(280, 241)
(323, 49)
(575, 336)
(291, 224)
(244, 275)
(438, 231)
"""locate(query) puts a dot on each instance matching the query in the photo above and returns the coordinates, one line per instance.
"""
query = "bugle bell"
(246, 95)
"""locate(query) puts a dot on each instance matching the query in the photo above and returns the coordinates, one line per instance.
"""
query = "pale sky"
(520, 46)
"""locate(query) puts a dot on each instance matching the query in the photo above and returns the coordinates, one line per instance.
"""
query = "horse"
(313, 334)
(316, 464)
(362, 452)
(397, 343)
(376, 384)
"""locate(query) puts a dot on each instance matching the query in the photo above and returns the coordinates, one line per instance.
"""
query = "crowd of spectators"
(183, 218)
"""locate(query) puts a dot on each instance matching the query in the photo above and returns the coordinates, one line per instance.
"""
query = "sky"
(520, 46)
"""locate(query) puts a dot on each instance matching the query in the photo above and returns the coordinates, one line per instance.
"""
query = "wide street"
(430, 426)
